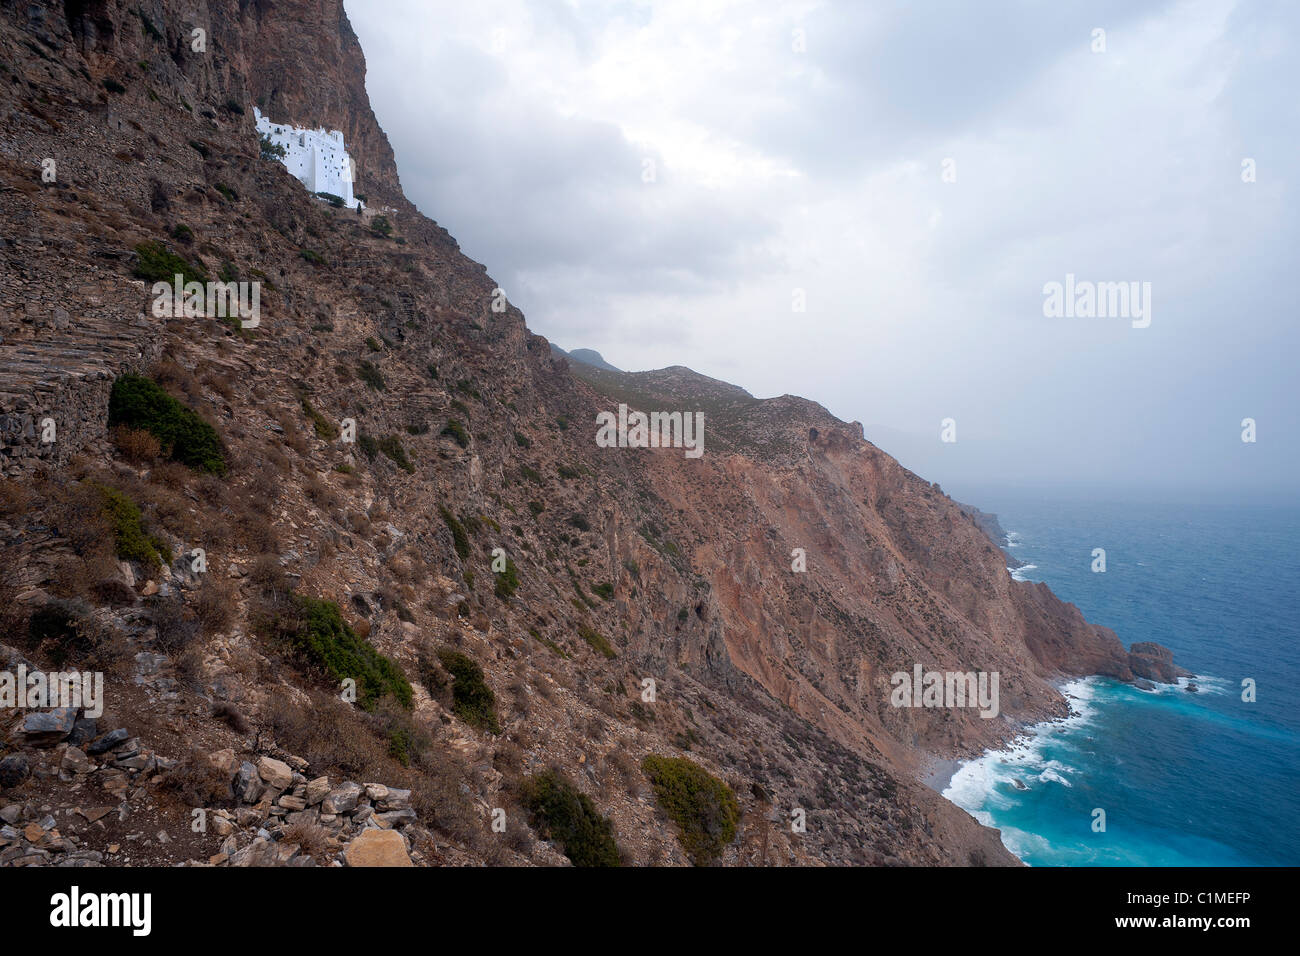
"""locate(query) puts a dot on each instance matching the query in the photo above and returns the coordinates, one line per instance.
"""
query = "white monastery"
(316, 157)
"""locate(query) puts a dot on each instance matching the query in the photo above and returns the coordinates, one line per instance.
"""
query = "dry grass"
(198, 782)
(312, 839)
(176, 378)
(177, 625)
(214, 603)
(137, 445)
(346, 743)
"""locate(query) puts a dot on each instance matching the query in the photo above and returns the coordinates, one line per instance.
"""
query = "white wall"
(317, 157)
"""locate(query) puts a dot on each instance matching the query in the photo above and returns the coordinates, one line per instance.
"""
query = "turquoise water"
(1191, 779)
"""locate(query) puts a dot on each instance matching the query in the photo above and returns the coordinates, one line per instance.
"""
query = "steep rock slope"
(632, 569)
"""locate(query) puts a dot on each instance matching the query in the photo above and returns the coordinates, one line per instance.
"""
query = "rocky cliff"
(404, 489)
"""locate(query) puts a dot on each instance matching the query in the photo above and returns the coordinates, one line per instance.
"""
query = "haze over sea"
(1193, 779)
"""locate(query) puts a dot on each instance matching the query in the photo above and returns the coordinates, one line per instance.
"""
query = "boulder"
(275, 773)
(224, 762)
(110, 741)
(248, 784)
(83, 731)
(393, 799)
(258, 853)
(342, 799)
(47, 728)
(396, 818)
(317, 790)
(75, 761)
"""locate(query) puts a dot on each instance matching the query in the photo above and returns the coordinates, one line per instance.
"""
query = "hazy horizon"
(664, 181)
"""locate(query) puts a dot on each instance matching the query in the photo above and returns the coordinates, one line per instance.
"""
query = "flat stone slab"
(377, 848)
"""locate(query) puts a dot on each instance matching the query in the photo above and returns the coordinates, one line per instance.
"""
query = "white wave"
(1018, 573)
(1217, 686)
(985, 783)
(1051, 776)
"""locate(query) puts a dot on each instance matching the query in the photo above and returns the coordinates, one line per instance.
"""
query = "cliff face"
(897, 572)
(635, 569)
(297, 60)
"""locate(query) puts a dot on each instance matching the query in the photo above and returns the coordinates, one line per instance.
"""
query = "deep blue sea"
(1194, 779)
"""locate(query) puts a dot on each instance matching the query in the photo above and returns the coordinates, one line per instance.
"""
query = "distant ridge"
(586, 357)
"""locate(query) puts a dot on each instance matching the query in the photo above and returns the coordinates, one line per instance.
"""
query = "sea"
(1158, 777)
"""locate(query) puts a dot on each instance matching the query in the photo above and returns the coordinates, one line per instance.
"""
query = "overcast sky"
(804, 146)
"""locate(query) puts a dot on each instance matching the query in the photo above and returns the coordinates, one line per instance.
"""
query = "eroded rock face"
(632, 564)
(1154, 662)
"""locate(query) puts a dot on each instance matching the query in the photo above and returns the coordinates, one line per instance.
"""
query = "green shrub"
(138, 402)
(472, 699)
(325, 429)
(332, 199)
(531, 473)
(370, 374)
(400, 744)
(561, 813)
(703, 807)
(381, 225)
(507, 581)
(580, 522)
(227, 192)
(369, 447)
(522, 440)
(324, 639)
(604, 590)
(157, 264)
(373, 344)
(567, 473)
(596, 640)
(183, 233)
(536, 507)
(113, 86)
(133, 542)
(392, 448)
(457, 432)
(312, 256)
(458, 534)
(270, 150)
